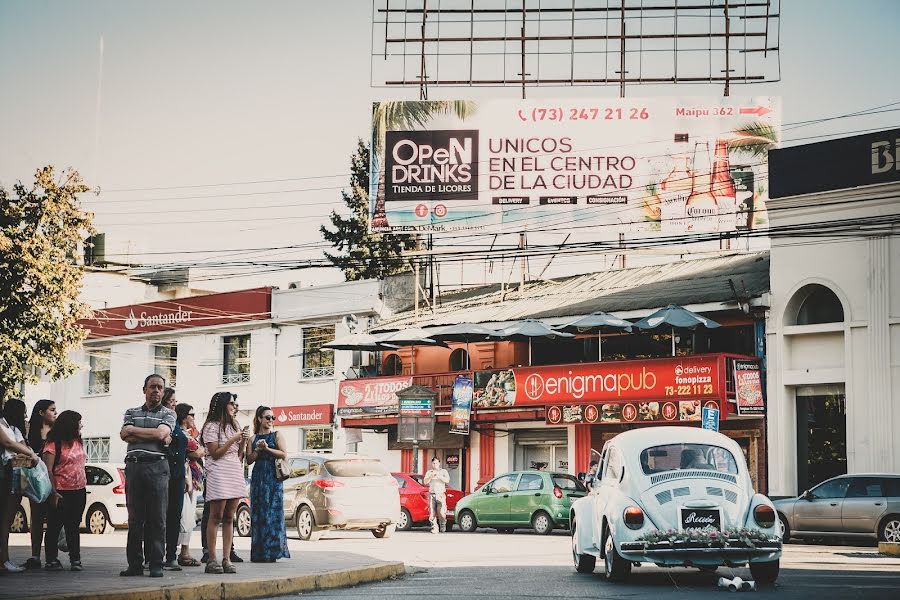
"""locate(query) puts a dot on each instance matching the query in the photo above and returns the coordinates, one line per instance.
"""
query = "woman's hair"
(66, 427)
(36, 423)
(14, 412)
(182, 410)
(167, 393)
(257, 420)
(217, 411)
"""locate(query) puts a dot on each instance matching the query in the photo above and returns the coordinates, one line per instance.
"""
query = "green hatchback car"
(536, 499)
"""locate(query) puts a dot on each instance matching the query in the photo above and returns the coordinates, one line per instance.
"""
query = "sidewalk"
(305, 571)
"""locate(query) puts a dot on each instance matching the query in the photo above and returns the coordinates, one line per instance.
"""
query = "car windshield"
(355, 467)
(673, 457)
(417, 478)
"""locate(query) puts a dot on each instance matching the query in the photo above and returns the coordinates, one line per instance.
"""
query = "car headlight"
(633, 517)
(764, 515)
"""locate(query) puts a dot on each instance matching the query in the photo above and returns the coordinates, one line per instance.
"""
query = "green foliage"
(363, 255)
(754, 139)
(41, 230)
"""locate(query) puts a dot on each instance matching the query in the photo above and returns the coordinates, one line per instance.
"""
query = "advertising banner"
(748, 388)
(463, 392)
(630, 412)
(370, 396)
(654, 166)
(613, 382)
(309, 414)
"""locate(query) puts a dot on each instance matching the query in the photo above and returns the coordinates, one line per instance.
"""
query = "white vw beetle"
(674, 496)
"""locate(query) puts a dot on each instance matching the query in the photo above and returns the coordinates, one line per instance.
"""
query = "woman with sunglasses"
(225, 486)
(268, 540)
(192, 486)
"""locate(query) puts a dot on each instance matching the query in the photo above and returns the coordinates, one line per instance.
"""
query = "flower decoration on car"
(741, 537)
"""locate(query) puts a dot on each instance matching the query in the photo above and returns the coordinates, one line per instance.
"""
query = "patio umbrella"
(597, 322)
(676, 317)
(414, 336)
(527, 330)
(463, 332)
(357, 341)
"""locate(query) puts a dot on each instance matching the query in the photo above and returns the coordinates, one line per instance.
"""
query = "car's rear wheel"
(384, 532)
(584, 563)
(306, 524)
(405, 523)
(97, 519)
(242, 521)
(889, 531)
(467, 523)
(542, 523)
(784, 529)
(19, 522)
(765, 573)
(616, 568)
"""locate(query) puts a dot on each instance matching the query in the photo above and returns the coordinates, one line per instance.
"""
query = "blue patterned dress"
(268, 540)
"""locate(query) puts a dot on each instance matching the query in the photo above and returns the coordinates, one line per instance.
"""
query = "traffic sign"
(710, 418)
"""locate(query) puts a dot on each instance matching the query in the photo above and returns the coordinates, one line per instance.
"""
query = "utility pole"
(522, 263)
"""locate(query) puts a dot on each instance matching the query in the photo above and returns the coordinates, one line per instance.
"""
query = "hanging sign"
(368, 396)
(463, 390)
(710, 418)
(748, 388)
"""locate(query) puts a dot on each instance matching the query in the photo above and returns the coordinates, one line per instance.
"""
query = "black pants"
(204, 521)
(66, 514)
(173, 517)
(147, 496)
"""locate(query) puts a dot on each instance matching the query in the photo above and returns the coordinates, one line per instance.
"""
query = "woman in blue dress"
(268, 540)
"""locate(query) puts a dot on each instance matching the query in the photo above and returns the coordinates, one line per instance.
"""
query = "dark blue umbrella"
(597, 322)
(675, 317)
(528, 329)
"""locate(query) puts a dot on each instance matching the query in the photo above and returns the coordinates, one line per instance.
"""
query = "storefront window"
(316, 439)
(99, 375)
(236, 364)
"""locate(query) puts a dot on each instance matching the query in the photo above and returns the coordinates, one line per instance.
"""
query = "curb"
(247, 588)
(889, 548)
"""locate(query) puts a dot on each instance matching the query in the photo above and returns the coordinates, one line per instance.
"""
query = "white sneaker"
(13, 568)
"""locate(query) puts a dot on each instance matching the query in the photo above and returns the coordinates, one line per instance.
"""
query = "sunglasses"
(269, 417)
(190, 414)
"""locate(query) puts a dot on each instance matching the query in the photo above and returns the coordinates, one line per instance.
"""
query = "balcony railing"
(232, 378)
(317, 372)
(442, 383)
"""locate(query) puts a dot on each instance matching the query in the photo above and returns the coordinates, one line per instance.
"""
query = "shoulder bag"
(282, 468)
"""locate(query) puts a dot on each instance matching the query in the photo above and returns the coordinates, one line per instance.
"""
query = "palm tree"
(755, 138)
(403, 116)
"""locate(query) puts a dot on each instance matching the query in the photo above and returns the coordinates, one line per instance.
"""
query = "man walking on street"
(437, 479)
(148, 431)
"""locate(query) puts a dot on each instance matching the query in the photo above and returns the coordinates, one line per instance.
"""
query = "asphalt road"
(524, 565)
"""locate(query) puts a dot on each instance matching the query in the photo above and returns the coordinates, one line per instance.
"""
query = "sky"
(267, 100)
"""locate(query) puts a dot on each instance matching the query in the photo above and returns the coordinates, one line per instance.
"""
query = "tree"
(42, 229)
(363, 255)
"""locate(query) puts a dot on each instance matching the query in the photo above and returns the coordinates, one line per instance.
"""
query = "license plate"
(701, 518)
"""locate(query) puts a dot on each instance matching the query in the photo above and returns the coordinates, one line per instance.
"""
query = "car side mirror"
(806, 495)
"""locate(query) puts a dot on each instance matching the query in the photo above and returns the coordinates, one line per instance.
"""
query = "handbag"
(283, 469)
(35, 483)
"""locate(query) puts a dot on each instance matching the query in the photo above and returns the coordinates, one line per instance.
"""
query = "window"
(865, 487)
(821, 306)
(316, 439)
(672, 457)
(503, 484)
(459, 360)
(836, 488)
(567, 482)
(165, 361)
(236, 364)
(98, 377)
(317, 363)
(891, 486)
(613, 466)
(300, 467)
(530, 481)
(401, 483)
(392, 365)
(96, 449)
(97, 476)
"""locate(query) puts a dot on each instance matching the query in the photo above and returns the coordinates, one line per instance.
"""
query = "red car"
(414, 501)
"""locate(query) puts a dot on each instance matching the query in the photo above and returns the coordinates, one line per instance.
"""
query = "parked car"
(536, 499)
(340, 492)
(861, 506)
(105, 500)
(414, 501)
(674, 496)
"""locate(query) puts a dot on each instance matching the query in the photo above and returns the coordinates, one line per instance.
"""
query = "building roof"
(689, 282)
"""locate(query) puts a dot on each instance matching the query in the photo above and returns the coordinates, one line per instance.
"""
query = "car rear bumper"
(684, 556)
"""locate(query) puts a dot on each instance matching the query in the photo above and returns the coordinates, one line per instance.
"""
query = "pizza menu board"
(748, 388)
(632, 412)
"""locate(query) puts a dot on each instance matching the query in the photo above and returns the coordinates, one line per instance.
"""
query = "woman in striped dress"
(225, 486)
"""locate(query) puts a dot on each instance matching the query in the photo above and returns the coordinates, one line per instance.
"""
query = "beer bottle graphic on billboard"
(723, 188)
(701, 211)
(676, 188)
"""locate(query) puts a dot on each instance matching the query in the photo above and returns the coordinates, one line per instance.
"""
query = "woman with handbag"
(14, 448)
(65, 459)
(268, 539)
(43, 416)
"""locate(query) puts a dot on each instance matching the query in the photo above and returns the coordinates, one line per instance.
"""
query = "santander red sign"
(307, 414)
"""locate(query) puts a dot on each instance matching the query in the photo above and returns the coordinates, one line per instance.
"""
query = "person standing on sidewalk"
(12, 442)
(225, 486)
(64, 456)
(193, 482)
(43, 415)
(437, 479)
(177, 459)
(268, 538)
(591, 478)
(148, 430)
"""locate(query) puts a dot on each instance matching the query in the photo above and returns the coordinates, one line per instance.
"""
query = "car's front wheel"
(890, 529)
(242, 521)
(405, 522)
(306, 524)
(467, 523)
(542, 523)
(765, 573)
(584, 563)
(384, 532)
(97, 519)
(616, 568)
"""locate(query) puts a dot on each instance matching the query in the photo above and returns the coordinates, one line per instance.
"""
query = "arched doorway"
(459, 360)
(393, 365)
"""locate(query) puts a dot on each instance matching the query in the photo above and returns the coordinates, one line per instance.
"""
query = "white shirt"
(15, 434)
(437, 481)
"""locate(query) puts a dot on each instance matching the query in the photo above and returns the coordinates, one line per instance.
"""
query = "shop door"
(821, 438)
(530, 494)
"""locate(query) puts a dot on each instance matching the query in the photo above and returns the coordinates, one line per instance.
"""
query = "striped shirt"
(151, 419)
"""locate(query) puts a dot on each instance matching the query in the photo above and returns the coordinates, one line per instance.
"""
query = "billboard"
(748, 388)
(655, 166)
(370, 396)
(460, 415)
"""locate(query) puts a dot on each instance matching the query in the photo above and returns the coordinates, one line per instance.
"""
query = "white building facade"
(833, 333)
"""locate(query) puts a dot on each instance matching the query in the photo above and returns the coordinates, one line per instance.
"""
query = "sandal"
(188, 562)
(227, 567)
(214, 567)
